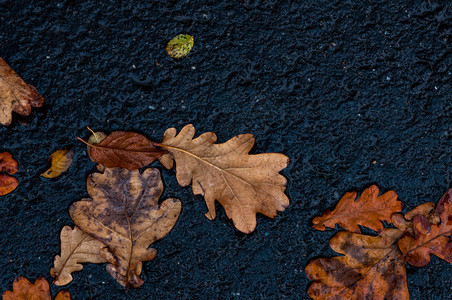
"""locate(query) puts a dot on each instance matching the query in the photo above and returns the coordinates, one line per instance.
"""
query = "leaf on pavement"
(76, 247)
(244, 184)
(7, 166)
(369, 211)
(372, 268)
(180, 45)
(430, 238)
(125, 215)
(60, 162)
(40, 290)
(124, 149)
(15, 95)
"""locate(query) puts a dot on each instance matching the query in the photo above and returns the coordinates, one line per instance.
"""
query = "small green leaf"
(180, 46)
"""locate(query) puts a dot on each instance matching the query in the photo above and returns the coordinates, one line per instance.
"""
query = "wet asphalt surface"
(354, 92)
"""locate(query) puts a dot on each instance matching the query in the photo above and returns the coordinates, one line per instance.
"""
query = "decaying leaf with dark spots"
(125, 215)
(372, 268)
(76, 247)
(8, 166)
(369, 211)
(430, 238)
(243, 183)
(123, 149)
(15, 95)
(40, 290)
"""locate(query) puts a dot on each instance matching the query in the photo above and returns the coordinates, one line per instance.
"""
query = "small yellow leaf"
(180, 46)
(61, 160)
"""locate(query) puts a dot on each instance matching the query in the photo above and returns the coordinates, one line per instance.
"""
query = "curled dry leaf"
(124, 149)
(371, 268)
(60, 163)
(76, 247)
(244, 184)
(15, 95)
(125, 215)
(7, 166)
(40, 290)
(369, 211)
(180, 45)
(429, 238)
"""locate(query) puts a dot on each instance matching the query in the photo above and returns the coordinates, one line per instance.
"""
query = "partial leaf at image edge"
(429, 238)
(15, 95)
(372, 268)
(125, 215)
(8, 166)
(244, 184)
(40, 290)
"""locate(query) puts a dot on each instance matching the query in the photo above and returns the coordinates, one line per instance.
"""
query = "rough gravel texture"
(354, 92)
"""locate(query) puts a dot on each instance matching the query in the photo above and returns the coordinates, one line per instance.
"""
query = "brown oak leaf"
(372, 268)
(15, 95)
(244, 184)
(369, 211)
(123, 149)
(8, 165)
(60, 163)
(429, 238)
(125, 215)
(40, 290)
(76, 247)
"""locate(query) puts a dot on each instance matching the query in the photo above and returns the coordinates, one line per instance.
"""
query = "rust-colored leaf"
(369, 211)
(61, 160)
(372, 268)
(125, 215)
(7, 166)
(15, 95)
(430, 238)
(76, 247)
(40, 290)
(124, 149)
(244, 184)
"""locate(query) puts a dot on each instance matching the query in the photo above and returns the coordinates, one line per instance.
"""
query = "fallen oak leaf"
(40, 290)
(244, 184)
(123, 149)
(60, 163)
(125, 215)
(76, 247)
(372, 268)
(429, 238)
(15, 95)
(369, 211)
(8, 165)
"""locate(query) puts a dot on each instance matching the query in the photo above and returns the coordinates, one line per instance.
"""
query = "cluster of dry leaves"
(122, 217)
(373, 267)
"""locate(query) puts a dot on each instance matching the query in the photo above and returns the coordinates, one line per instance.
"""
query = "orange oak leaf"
(76, 247)
(430, 238)
(15, 95)
(372, 268)
(369, 211)
(7, 166)
(125, 215)
(61, 161)
(244, 184)
(40, 290)
(124, 149)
